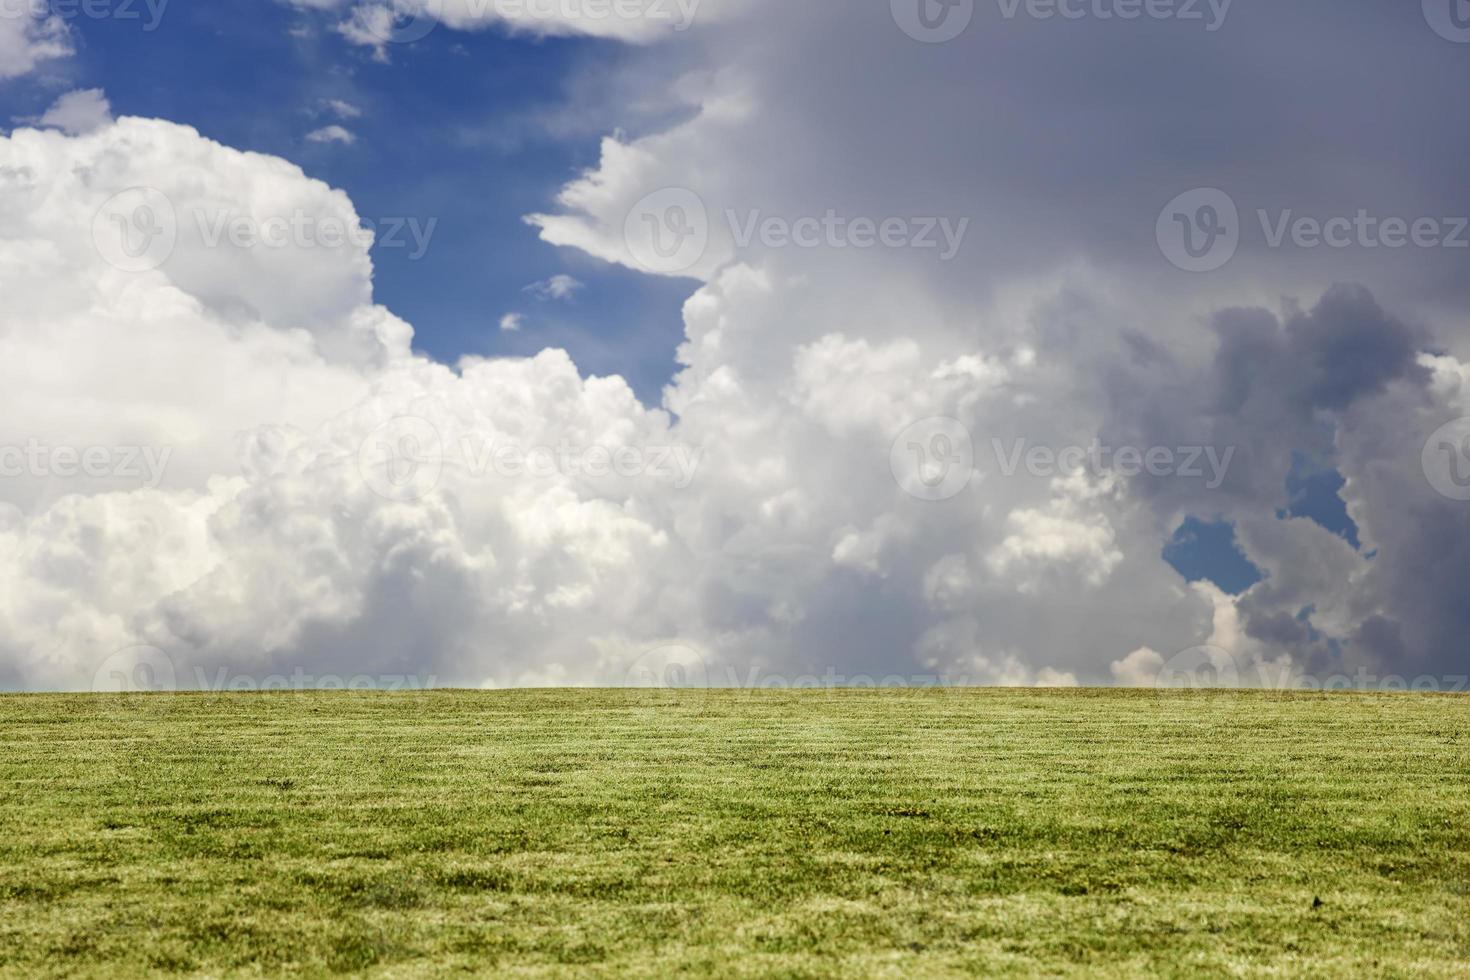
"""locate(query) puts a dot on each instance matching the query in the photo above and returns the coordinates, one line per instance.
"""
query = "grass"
(638, 833)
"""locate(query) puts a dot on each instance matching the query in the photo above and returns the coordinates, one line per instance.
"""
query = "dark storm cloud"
(1270, 389)
(1416, 603)
(1344, 348)
(1065, 139)
(1343, 381)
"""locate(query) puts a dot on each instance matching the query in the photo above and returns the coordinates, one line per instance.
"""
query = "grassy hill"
(736, 833)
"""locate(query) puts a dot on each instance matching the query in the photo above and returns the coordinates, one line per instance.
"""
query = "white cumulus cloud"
(332, 134)
(30, 35)
(78, 112)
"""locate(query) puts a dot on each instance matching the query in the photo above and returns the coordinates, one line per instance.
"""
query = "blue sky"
(452, 130)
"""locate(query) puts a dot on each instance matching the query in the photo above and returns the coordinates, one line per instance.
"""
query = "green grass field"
(637, 833)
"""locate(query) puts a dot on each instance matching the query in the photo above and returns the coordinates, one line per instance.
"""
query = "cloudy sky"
(541, 342)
